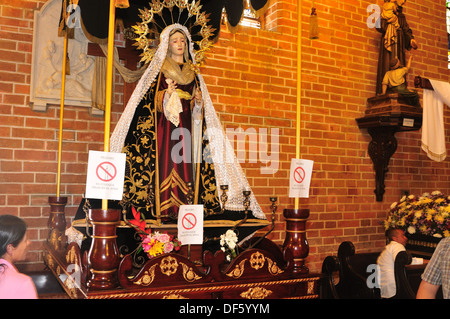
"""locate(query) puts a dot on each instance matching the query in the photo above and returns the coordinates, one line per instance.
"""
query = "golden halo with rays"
(162, 13)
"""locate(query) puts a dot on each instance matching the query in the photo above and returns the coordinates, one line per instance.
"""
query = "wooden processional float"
(99, 268)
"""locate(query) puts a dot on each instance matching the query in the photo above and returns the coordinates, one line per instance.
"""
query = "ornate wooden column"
(103, 256)
(296, 237)
(57, 223)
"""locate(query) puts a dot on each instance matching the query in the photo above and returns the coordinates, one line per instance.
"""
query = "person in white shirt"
(386, 261)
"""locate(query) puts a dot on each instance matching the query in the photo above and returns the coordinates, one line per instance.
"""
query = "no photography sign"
(300, 177)
(190, 224)
(105, 175)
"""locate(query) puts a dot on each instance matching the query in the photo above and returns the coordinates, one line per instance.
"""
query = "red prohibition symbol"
(106, 171)
(189, 221)
(299, 175)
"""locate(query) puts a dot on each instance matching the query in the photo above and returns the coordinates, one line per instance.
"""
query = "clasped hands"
(172, 86)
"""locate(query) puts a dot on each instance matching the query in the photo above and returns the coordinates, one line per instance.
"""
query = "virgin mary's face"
(177, 45)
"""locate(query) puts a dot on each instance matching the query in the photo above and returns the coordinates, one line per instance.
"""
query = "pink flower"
(168, 247)
(164, 238)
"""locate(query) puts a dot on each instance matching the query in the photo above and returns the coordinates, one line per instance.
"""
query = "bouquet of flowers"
(228, 243)
(428, 214)
(159, 243)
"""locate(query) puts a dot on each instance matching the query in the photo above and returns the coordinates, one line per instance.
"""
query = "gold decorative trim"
(50, 261)
(71, 256)
(237, 271)
(188, 273)
(310, 289)
(192, 8)
(257, 260)
(174, 296)
(168, 265)
(256, 293)
(296, 219)
(103, 271)
(273, 267)
(142, 294)
(148, 278)
(71, 287)
(104, 237)
(104, 223)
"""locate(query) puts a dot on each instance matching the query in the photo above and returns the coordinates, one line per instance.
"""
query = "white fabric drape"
(433, 132)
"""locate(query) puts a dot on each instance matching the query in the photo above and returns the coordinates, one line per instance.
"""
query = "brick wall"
(251, 77)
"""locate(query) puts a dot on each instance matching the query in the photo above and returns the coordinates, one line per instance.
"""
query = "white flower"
(231, 244)
(411, 230)
(228, 242)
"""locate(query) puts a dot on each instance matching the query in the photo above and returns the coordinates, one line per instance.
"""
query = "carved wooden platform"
(263, 270)
(257, 273)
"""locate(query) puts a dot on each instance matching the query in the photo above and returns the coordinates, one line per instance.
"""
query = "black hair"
(391, 232)
(12, 231)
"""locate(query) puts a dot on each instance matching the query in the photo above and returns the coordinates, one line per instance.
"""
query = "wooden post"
(296, 237)
(57, 223)
(103, 256)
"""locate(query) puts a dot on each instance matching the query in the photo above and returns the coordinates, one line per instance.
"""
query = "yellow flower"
(439, 218)
(156, 249)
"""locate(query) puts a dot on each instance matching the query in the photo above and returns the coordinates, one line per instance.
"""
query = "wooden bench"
(352, 273)
(408, 277)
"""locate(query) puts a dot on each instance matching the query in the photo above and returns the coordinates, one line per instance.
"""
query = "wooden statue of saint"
(397, 38)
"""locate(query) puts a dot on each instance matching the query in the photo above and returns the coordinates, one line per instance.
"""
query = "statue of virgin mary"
(177, 152)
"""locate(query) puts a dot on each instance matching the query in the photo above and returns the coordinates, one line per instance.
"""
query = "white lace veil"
(227, 169)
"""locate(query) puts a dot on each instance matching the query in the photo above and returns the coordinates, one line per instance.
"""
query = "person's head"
(178, 45)
(396, 234)
(51, 47)
(394, 64)
(13, 238)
